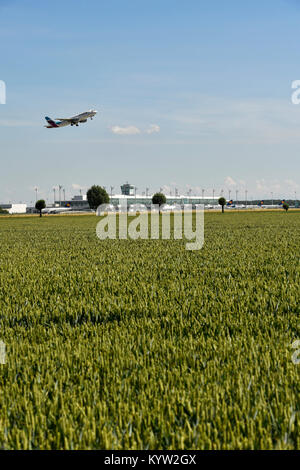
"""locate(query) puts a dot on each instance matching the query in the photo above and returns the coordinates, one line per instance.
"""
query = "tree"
(159, 199)
(222, 202)
(285, 206)
(3, 211)
(96, 196)
(39, 205)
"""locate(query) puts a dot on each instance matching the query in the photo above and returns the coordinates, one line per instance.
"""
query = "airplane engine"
(85, 120)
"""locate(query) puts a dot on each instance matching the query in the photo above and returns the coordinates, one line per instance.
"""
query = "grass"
(144, 345)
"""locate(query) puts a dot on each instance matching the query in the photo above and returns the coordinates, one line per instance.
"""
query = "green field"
(144, 345)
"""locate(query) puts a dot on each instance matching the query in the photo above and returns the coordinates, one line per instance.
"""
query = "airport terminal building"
(128, 194)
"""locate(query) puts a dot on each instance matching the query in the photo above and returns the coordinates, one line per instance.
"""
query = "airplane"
(75, 120)
(55, 210)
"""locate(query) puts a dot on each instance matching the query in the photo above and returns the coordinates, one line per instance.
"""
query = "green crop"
(144, 345)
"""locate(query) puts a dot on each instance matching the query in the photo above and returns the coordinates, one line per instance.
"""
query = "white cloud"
(130, 130)
(268, 187)
(230, 181)
(291, 185)
(153, 129)
(133, 130)
(76, 186)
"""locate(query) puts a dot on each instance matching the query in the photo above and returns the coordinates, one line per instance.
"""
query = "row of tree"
(97, 195)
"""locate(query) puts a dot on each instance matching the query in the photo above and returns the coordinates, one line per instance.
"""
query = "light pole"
(64, 191)
(36, 191)
(236, 195)
(59, 192)
(214, 196)
(246, 197)
(272, 198)
(54, 196)
(229, 192)
(111, 191)
(147, 192)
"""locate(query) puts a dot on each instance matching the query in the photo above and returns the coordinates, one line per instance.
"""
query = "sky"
(190, 95)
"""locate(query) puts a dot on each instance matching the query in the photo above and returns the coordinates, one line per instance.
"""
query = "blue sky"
(192, 94)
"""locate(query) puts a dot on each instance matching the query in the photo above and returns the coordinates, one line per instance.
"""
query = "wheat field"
(144, 345)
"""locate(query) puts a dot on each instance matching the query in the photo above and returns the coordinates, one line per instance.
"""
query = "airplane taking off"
(75, 120)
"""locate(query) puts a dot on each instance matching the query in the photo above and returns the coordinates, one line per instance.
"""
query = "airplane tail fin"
(50, 122)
